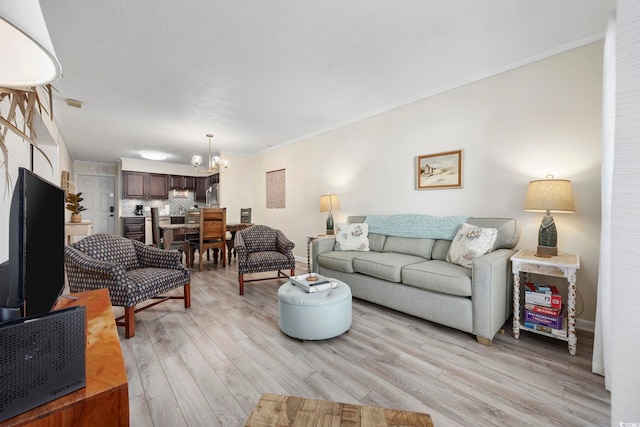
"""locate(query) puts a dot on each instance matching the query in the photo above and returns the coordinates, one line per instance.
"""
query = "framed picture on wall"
(440, 170)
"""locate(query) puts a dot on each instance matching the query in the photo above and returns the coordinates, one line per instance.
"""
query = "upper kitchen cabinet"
(157, 186)
(141, 185)
(135, 185)
(178, 182)
(202, 183)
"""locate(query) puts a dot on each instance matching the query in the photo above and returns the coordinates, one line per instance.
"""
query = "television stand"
(105, 399)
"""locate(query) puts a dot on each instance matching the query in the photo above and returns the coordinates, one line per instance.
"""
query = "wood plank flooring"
(209, 365)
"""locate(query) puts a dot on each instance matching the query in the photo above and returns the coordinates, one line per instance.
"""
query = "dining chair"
(180, 245)
(245, 218)
(213, 230)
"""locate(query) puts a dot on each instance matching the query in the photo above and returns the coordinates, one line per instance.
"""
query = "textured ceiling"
(160, 75)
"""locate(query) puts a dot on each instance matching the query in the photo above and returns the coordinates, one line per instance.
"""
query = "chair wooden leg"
(293, 272)
(241, 283)
(129, 323)
(187, 295)
(223, 252)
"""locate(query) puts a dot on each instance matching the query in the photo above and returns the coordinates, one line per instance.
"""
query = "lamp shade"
(554, 195)
(329, 202)
(28, 58)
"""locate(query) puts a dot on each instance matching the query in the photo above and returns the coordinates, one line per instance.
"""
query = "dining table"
(168, 231)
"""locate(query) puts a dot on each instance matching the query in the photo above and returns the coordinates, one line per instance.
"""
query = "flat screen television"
(34, 277)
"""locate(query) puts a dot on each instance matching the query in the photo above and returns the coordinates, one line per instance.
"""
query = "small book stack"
(543, 309)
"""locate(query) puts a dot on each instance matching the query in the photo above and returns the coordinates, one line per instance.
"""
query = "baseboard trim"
(586, 325)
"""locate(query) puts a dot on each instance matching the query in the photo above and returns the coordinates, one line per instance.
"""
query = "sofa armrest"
(318, 246)
(492, 292)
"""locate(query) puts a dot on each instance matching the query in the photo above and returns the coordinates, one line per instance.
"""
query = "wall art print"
(440, 170)
(276, 189)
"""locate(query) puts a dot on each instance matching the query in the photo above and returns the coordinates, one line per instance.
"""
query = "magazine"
(321, 284)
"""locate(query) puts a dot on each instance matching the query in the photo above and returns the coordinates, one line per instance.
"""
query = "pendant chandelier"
(215, 163)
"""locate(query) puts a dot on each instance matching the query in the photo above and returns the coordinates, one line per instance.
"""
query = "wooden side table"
(563, 265)
(310, 238)
(77, 229)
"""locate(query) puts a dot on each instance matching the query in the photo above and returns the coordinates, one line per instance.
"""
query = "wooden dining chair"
(213, 230)
(180, 245)
(245, 218)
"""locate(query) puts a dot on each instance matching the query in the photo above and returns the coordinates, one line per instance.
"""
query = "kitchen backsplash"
(178, 204)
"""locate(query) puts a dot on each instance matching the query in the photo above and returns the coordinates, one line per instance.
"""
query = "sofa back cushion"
(409, 246)
(376, 242)
(508, 230)
(440, 249)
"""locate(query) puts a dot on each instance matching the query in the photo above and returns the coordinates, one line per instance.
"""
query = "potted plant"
(73, 204)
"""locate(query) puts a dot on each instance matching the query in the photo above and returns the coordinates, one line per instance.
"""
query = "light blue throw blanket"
(416, 226)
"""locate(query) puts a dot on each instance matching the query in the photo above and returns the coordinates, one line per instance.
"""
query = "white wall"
(50, 141)
(513, 127)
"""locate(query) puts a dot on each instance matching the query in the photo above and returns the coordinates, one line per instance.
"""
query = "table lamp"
(549, 195)
(329, 202)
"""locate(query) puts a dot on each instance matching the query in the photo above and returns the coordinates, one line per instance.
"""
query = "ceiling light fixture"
(28, 58)
(216, 164)
(153, 155)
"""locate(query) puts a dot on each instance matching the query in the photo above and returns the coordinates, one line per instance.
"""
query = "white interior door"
(98, 194)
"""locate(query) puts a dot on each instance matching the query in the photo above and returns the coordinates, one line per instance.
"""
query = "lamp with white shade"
(549, 195)
(28, 58)
(329, 203)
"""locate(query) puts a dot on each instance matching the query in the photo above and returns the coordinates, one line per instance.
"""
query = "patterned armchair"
(132, 271)
(260, 248)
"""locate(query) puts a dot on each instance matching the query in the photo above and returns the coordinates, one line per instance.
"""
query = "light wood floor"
(209, 365)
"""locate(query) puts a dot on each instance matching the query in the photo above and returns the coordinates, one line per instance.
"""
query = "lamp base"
(330, 224)
(547, 251)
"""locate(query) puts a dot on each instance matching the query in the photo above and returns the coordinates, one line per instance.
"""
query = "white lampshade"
(28, 58)
(329, 202)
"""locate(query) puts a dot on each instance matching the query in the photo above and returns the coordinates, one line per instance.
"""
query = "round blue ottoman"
(317, 315)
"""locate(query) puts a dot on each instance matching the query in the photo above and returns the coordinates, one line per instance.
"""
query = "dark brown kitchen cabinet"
(178, 182)
(202, 183)
(142, 185)
(133, 228)
(157, 186)
(189, 183)
(134, 185)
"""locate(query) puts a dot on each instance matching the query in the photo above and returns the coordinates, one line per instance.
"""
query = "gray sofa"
(412, 275)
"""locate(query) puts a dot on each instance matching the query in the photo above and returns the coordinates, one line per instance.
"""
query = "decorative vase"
(76, 218)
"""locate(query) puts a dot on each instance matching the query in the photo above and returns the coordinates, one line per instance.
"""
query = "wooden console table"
(277, 410)
(105, 399)
(77, 229)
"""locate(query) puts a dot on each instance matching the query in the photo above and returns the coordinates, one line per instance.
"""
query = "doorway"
(98, 192)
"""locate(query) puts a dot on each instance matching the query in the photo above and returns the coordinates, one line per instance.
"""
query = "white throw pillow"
(470, 242)
(352, 237)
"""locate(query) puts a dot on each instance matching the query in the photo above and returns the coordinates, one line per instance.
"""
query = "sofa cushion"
(352, 237)
(440, 249)
(409, 246)
(471, 242)
(386, 266)
(508, 230)
(376, 241)
(438, 276)
(338, 260)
